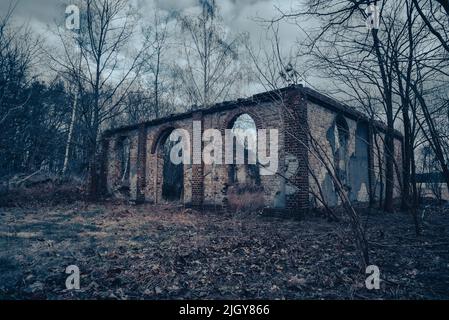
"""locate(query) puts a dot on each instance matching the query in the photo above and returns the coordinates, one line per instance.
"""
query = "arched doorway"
(245, 131)
(123, 161)
(244, 191)
(170, 176)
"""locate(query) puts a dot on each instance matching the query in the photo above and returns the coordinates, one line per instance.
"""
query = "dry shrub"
(52, 191)
(246, 198)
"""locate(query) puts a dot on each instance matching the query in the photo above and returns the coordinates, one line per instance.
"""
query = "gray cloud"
(238, 15)
(42, 11)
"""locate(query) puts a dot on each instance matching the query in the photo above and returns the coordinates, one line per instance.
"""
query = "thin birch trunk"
(70, 136)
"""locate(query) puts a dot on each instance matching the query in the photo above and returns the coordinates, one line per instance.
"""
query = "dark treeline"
(32, 113)
(32, 135)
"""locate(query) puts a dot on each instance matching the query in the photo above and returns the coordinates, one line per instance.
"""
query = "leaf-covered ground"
(150, 252)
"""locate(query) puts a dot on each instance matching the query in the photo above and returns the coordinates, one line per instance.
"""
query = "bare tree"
(275, 75)
(108, 68)
(339, 30)
(158, 35)
(403, 49)
(436, 20)
(21, 106)
(211, 68)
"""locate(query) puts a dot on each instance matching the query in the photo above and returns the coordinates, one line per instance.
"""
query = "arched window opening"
(245, 131)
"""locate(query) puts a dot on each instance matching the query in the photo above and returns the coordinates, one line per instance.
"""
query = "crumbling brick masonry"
(315, 133)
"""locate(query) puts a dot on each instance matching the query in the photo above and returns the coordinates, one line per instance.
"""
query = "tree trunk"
(156, 84)
(389, 140)
(95, 125)
(434, 138)
(70, 136)
(389, 171)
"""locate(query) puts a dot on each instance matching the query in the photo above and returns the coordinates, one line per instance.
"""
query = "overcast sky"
(238, 15)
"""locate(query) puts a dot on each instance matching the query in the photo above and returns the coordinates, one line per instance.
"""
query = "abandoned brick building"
(134, 157)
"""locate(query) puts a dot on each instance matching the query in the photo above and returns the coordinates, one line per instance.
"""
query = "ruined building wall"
(215, 181)
(114, 170)
(349, 161)
(216, 177)
(346, 143)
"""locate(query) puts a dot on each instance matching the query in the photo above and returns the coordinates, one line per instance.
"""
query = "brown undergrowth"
(167, 252)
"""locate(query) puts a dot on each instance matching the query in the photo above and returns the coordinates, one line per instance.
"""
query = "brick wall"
(365, 182)
(295, 116)
(141, 164)
(296, 149)
(197, 168)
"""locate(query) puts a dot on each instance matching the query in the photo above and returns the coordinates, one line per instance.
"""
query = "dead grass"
(246, 198)
(160, 252)
(49, 193)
